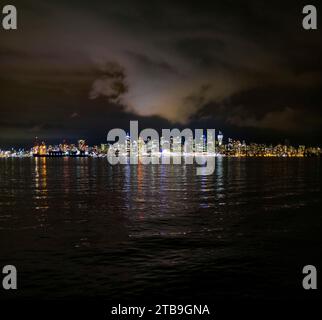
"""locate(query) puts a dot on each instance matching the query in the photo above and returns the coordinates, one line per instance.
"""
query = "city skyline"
(206, 144)
(283, 140)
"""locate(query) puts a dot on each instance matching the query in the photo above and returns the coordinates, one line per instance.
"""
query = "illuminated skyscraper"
(104, 147)
(42, 149)
(155, 147)
(176, 144)
(220, 138)
(211, 141)
(134, 148)
(164, 145)
(188, 145)
(200, 144)
(141, 146)
(128, 144)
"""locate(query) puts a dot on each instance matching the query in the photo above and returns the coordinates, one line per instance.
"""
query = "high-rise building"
(200, 144)
(141, 146)
(188, 145)
(220, 138)
(176, 144)
(211, 142)
(128, 144)
(155, 148)
(104, 147)
(134, 147)
(164, 145)
(42, 149)
(81, 145)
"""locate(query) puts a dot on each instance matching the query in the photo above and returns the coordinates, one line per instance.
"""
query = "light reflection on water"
(83, 227)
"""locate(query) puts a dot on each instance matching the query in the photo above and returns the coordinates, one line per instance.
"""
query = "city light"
(173, 147)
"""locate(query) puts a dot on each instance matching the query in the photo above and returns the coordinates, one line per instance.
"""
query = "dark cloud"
(281, 111)
(80, 68)
(111, 82)
(152, 66)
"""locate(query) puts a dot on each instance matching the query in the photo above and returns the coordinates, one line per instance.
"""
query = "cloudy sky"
(77, 69)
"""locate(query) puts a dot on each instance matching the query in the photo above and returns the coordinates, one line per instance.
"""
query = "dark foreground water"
(83, 228)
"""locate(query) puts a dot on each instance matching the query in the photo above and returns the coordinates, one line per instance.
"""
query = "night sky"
(76, 69)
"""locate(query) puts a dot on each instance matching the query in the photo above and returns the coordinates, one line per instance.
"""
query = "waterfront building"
(176, 144)
(220, 138)
(211, 143)
(141, 146)
(200, 144)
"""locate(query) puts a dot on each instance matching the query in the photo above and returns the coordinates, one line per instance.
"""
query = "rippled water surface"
(83, 228)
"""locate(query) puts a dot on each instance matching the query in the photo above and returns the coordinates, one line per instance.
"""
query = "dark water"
(83, 228)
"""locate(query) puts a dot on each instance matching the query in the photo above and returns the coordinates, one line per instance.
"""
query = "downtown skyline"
(209, 145)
